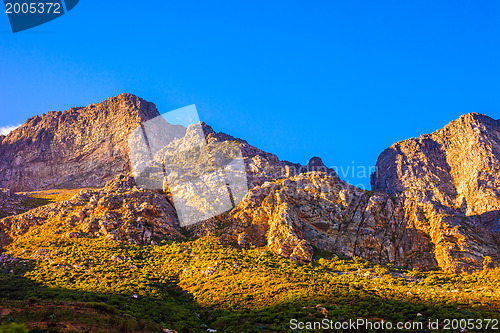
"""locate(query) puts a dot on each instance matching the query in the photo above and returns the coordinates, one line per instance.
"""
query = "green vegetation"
(73, 285)
(13, 328)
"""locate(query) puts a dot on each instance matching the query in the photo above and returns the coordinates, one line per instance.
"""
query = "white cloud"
(4, 130)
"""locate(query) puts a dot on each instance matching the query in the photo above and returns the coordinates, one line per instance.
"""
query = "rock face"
(119, 211)
(86, 146)
(312, 209)
(428, 217)
(457, 166)
(80, 147)
(11, 203)
(262, 166)
(455, 169)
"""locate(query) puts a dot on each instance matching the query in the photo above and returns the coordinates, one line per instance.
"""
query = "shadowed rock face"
(11, 203)
(312, 209)
(457, 166)
(455, 169)
(80, 147)
(294, 214)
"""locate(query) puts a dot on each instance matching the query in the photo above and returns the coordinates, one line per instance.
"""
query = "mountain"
(457, 166)
(80, 147)
(298, 242)
(455, 173)
(433, 203)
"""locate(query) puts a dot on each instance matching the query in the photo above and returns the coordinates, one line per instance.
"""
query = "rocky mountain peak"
(80, 147)
(473, 117)
(316, 164)
(86, 146)
(457, 166)
(207, 130)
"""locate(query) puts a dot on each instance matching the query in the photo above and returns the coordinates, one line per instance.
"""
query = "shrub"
(13, 328)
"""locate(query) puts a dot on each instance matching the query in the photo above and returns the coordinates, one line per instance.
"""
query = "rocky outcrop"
(11, 203)
(455, 170)
(80, 147)
(292, 215)
(203, 172)
(421, 223)
(119, 211)
(260, 166)
(457, 166)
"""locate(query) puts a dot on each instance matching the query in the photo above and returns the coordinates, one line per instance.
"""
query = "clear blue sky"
(338, 79)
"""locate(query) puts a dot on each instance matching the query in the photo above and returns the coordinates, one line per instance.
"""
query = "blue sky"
(342, 80)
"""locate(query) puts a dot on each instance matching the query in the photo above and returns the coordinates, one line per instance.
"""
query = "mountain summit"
(80, 147)
(457, 166)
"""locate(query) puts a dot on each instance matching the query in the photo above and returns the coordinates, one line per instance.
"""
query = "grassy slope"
(202, 284)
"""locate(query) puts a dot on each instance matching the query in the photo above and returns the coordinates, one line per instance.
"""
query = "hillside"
(422, 245)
